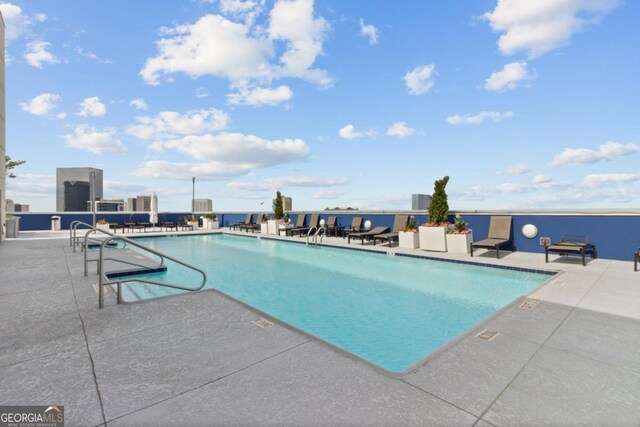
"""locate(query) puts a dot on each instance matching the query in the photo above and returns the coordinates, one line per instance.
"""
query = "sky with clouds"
(336, 103)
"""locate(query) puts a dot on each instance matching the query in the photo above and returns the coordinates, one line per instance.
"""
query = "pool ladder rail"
(314, 233)
(103, 277)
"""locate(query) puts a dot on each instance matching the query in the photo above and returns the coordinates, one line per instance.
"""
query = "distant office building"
(202, 205)
(108, 205)
(287, 204)
(139, 204)
(420, 202)
(12, 207)
(74, 190)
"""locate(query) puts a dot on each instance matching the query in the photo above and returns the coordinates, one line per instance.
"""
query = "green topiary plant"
(439, 207)
(278, 211)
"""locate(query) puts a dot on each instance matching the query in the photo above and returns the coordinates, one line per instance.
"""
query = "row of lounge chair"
(499, 235)
(132, 227)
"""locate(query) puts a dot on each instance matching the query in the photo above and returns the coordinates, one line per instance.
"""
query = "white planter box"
(459, 243)
(282, 230)
(194, 224)
(104, 227)
(210, 224)
(408, 239)
(272, 226)
(433, 238)
(263, 228)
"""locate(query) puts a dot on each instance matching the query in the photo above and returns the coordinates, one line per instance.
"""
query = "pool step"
(135, 272)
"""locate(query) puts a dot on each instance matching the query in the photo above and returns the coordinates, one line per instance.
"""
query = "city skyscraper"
(202, 205)
(420, 202)
(73, 188)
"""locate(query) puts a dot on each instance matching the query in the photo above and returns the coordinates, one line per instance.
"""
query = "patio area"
(198, 359)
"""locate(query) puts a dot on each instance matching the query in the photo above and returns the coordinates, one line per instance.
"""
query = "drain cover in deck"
(263, 323)
(487, 335)
(530, 304)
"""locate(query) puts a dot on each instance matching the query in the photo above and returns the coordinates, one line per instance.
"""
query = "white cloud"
(510, 77)
(249, 186)
(537, 27)
(305, 181)
(260, 96)
(420, 79)
(277, 183)
(37, 54)
(41, 105)
(201, 93)
(92, 107)
(80, 51)
(479, 118)
(18, 23)
(400, 130)
(598, 180)
(88, 138)
(540, 179)
(139, 103)
(517, 169)
(170, 124)
(246, 10)
(579, 156)
(222, 156)
(242, 53)
(62, 115)
(328, 194)
(349, 132)
(369, 31)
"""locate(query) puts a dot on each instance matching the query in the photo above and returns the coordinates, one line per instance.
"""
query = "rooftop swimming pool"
(390, 310)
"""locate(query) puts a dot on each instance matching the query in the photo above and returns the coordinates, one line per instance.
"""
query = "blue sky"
(335, 103)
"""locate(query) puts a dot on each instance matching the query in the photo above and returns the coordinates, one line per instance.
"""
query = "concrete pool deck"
(197, 358)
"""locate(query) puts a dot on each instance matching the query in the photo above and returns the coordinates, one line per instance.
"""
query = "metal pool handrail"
(317, 231)
(98, 241)
(104, 280)
(72, 232)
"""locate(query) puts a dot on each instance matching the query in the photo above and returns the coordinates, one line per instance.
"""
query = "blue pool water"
(392, 311)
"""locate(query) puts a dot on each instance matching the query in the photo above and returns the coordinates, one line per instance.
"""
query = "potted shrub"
(103, 224)
(193, 221)
(459, 237)
(408, 237)
(433, 233)
(264, 224)
(211, 221)
(278, 213)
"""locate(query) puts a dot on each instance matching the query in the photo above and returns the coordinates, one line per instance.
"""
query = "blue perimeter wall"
(615, 236)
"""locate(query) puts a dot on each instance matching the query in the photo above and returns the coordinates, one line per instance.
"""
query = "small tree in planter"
(439, 206)
(278, 214)
(433, 233)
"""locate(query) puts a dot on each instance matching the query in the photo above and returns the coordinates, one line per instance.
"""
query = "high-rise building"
(108, 205)
(11, 207)
(21, 208)
(3, 172)
(420, 202)
(202, 205)
(139, 204)
(74, 189)
(287, 204)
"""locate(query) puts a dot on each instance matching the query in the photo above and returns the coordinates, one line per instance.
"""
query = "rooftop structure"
(202, 205)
